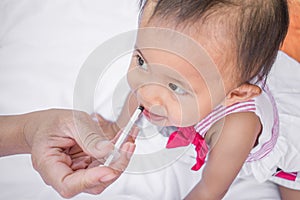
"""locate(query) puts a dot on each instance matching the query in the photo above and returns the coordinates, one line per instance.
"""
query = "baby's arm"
(237, 134)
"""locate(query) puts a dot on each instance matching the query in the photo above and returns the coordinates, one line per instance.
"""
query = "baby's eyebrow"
(136, 48)
(140, 52)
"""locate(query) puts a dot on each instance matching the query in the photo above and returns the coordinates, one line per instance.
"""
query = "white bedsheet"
(43, 45)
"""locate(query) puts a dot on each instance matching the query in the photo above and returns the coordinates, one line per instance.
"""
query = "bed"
(43, 46)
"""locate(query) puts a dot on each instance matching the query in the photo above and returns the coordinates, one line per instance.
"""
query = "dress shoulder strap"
(220, 112)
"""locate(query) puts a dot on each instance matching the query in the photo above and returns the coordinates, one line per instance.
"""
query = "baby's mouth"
(152, 116)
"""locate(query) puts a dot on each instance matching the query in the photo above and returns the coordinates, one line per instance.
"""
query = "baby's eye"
(177, 89)
(141, 62)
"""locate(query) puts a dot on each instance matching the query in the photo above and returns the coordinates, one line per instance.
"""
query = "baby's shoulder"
(233, 125)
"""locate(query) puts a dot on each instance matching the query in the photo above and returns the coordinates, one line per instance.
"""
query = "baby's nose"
(150, 95)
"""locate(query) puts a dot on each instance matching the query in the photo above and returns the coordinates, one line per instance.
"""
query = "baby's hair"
(257, 27)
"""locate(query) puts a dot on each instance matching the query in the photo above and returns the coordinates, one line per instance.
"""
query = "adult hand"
(109, 128)
(64, 145)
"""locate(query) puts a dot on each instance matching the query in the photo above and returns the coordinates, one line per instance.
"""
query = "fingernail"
(108, 177)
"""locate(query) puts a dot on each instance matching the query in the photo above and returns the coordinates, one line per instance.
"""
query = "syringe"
(123, 136)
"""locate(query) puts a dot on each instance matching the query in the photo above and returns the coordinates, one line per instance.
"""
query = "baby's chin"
(168, 123)
(160, 123)
(182, 124)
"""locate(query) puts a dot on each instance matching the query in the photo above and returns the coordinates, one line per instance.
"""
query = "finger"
(130, 137)
(96, 147)
(90, 137)
(134, 132)
(126, 153)
(53, 168)
(98, 118)
(93, 181)
(75, 151)
(106, 178)
(114, 140)
(96, 163)
(108, 128)
(81, 162)
(56, 172)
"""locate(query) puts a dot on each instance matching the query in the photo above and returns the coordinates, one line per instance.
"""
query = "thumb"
(98, 118)
(96, 147)
(89, 136)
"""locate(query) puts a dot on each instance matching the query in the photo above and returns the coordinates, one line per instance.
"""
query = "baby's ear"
(242, 93)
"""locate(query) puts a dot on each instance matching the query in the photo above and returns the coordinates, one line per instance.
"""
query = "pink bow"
(186, 135)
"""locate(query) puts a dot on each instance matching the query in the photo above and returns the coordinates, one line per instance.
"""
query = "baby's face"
(174, 78)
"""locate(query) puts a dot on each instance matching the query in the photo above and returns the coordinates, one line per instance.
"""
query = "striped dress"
(272, 158)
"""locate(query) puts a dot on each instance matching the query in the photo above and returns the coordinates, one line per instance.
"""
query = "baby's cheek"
(191, 119)
(174, 121)
(181, 118)
(190, 116)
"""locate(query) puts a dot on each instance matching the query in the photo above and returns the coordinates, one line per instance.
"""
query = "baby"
(201, 65)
